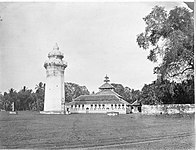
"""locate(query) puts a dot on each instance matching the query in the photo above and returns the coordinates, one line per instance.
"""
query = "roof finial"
(106, 79)
(56, 47)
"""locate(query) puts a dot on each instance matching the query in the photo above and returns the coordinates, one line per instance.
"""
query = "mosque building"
(104, 101)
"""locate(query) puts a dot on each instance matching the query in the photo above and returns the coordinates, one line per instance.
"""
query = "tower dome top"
(56, 47)
(55, 52)
(55, 58)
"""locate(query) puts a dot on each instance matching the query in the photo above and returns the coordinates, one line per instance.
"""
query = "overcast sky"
(96, 39)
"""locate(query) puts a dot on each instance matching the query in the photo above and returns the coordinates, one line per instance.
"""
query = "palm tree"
(39, 95)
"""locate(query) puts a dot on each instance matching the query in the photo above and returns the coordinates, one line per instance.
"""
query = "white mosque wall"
(98, 108)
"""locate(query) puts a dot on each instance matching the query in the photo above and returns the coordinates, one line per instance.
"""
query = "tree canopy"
(166, 92)
(169, 37)
(128, 94)
(73, 90)
(26, 99)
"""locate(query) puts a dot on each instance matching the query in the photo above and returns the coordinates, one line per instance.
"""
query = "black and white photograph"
(97, 75)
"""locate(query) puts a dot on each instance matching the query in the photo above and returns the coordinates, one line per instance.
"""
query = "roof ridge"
(106, 86)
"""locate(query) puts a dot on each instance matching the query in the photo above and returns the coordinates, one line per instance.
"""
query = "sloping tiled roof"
(98, 99)
(106, 86)
(108, 92)
(95, 97)
(136, 103)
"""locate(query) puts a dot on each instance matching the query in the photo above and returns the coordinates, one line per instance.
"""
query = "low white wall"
(168, 109)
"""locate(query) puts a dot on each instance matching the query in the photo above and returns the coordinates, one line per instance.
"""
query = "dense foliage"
(166, 92)
(73, 90)
(128, 94)
(26, 99)
(159, 92)
(169, 37)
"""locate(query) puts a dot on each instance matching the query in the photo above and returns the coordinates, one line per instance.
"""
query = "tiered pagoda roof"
(106, 95)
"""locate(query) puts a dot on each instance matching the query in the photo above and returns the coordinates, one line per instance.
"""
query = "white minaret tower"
(54, 100)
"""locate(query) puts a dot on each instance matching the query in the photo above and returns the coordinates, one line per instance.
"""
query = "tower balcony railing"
(63, 64)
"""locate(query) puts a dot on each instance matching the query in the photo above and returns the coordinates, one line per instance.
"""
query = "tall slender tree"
(39, 96)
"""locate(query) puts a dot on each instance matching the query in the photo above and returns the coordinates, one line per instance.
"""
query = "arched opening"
(87, 110)
(139, 108)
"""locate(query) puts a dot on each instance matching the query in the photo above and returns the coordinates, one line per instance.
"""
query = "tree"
(169, 37)
(184, 92)
(9, 98)
(25, 99)
(149, 96)
(1, 101)
(130, 95)
(118, 88)
(166, 92)
(73, 90)
(135, 95)
(38, 104)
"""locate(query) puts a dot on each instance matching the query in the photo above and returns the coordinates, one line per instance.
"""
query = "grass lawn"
(33, 130)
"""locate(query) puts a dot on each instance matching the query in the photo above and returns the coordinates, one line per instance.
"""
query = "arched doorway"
(87, 110)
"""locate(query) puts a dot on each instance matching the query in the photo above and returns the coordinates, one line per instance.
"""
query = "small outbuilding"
(136, 107)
